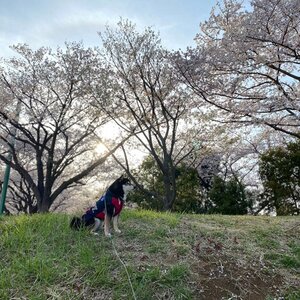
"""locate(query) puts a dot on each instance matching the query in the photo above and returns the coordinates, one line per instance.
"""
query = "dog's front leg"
(107, 220)
(115, 223)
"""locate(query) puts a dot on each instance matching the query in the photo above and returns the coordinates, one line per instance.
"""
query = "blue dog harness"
(108, 202)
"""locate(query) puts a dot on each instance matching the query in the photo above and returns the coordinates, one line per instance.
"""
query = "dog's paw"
(118, 231)
(108, 235)
(94, 233)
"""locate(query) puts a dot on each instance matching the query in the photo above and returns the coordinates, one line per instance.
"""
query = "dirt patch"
(219, 273)
(223, 262)
(225, 279)
(226, 265)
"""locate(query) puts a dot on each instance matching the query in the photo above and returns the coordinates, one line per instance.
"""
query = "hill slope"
(168, 256)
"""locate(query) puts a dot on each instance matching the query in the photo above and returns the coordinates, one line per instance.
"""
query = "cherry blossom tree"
(246, 64)
(149, 99)
(54, 132)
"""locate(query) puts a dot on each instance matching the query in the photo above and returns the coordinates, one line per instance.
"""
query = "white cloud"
(43, 23)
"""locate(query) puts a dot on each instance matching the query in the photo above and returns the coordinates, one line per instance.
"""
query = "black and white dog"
(107, 208)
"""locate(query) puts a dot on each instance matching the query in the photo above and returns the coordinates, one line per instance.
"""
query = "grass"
(168, 256)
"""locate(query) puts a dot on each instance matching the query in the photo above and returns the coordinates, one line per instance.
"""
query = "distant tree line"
(279, 169)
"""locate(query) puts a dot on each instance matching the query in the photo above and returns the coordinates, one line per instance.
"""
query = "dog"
(107, 208)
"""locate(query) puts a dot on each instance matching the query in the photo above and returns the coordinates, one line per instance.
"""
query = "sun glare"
(109, 131)
(100, 148)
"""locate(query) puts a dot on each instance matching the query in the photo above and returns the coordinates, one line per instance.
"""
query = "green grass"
(168, 256)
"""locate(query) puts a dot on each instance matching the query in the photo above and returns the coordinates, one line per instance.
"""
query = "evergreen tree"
(187, 187)
(228, 198)
(280, 174)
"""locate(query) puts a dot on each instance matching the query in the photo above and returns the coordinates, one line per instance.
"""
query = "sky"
(52, 22)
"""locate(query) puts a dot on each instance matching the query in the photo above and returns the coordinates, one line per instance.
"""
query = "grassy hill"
(168, 256)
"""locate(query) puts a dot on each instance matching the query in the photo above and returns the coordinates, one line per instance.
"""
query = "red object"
(118, 205)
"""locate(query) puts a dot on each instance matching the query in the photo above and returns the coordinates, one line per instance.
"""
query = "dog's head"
(121, 187)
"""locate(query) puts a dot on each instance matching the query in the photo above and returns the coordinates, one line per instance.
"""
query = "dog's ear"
(121, 177)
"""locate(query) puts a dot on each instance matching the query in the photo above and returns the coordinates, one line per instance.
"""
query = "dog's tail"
(76, 223)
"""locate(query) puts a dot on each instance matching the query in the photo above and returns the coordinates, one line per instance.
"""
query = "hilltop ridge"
(167, 256)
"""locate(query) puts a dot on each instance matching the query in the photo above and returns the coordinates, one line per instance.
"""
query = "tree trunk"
(170, 190)
(44, 205)
(43, 208)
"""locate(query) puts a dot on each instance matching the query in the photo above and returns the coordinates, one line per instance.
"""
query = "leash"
(128, 276)
(118, 256)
